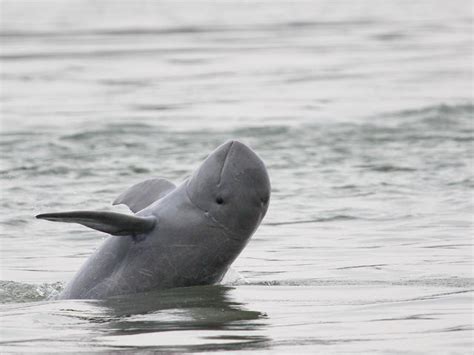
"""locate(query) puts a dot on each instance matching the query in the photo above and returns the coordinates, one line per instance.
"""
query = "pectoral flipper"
(108, 222)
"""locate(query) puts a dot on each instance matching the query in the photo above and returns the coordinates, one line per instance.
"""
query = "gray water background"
(362, 111)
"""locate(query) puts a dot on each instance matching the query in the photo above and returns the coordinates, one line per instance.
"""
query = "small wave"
(150, 107)
(35, 55)
(316, 220)
(443, 121)
(453, 282)
(35, 170)
(232, 278)
(262, 131)
(390, 36)
(375, 266)
(180, 30)
(386, 168)
(468, 182)
(333, 23)
(16, 292)
(108, 131)
(440, 110)
(16, 221)
(130, 31)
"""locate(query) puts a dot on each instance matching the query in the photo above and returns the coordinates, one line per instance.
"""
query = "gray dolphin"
(180, 236)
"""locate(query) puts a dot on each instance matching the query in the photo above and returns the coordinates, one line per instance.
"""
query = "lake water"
(361, 110)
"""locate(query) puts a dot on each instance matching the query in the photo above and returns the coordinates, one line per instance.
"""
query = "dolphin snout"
(234, 144)
(234, 150)
(237, 149)
(241, 160)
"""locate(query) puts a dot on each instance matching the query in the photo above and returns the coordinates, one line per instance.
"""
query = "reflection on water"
(195, 318)
(198, 316)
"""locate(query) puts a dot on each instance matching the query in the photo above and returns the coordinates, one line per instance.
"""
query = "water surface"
(362, 112)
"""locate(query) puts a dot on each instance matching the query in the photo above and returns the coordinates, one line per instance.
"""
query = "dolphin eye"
(219, 200)
(264, 200)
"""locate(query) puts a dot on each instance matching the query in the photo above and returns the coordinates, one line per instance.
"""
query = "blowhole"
(219, 200)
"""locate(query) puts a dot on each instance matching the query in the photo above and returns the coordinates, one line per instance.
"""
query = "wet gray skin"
(189, 235)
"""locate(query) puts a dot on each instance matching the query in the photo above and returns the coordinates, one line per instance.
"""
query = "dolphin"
(179, 236)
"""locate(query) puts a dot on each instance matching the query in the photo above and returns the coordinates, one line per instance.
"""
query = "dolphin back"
(144, 193)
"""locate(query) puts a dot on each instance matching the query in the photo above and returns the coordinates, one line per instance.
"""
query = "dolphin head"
(232, 188)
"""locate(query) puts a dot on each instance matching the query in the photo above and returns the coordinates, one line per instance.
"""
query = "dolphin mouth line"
(225, 162)
(229, 233)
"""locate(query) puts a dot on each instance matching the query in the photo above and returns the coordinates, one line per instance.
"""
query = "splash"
(12, 291)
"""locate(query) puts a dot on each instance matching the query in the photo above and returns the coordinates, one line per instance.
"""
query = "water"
(361, 110)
